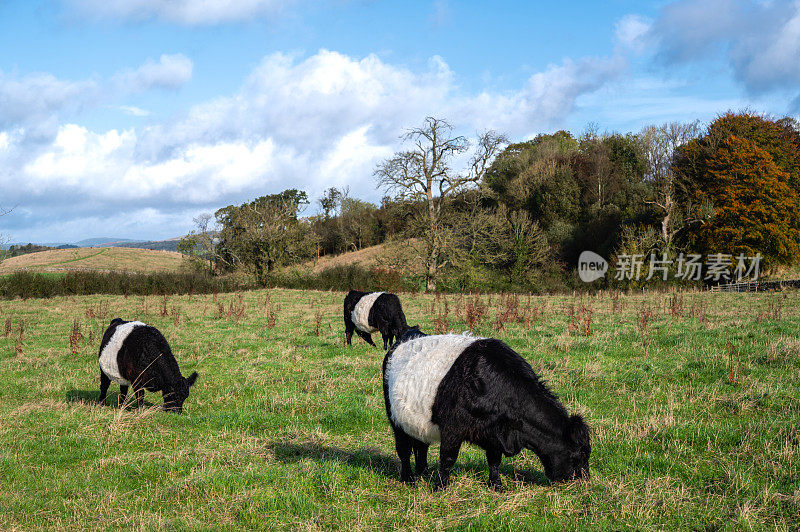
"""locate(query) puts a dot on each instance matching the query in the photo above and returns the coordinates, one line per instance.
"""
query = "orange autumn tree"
(740, 184)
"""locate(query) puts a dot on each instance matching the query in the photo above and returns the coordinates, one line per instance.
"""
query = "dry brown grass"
(384, 255)
(96, 259)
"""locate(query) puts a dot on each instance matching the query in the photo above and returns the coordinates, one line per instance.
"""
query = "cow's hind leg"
(105, 382)
(420, 457)
(404, 443)
(123, 394)
(348, 331)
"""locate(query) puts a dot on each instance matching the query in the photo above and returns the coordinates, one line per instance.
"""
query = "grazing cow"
(135, 354)
(368, 312)
(454, 388)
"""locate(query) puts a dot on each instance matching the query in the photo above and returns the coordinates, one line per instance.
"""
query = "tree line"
(483, 213)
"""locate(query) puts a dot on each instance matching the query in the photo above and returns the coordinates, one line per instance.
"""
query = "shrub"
(26, 284)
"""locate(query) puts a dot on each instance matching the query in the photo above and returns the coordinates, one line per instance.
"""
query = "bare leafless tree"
(3, 238)
(206, 232)
(199, 243)
(424, 173)
(659, 144)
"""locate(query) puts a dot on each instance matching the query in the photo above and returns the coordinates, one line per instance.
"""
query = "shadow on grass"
(370, 458)
(373, 460)
(89, 397)
(507, 471)
(524, 476)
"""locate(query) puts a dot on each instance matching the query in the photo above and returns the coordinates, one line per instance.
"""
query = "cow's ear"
(116, 321)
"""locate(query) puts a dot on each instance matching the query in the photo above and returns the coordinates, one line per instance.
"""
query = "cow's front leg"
(448, 454)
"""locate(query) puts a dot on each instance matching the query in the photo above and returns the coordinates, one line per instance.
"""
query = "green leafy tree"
(266, 233)
(357, 223)
(579, 192)
(345, 224)
(330, 201)
(536, 176)
(327, 224)
(609, 170)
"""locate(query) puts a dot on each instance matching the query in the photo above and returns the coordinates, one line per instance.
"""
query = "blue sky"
(128, 118)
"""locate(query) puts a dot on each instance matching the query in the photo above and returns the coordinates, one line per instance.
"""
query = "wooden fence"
(756, 286)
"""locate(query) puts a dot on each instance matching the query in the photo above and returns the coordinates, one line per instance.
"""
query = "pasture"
(693, 400)
(95, 259)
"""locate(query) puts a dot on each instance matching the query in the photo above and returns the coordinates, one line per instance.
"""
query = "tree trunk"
(666, 234)
(599, 192)
(430, 277)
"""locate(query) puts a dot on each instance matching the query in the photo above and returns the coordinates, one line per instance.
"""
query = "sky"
(128, 118)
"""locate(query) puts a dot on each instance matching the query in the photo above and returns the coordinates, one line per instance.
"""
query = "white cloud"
(170, 72)
(36, 97)
(311, 123)
(102, 167)
(78, 159)
(352, 154)
(441, 13)
(545, 101)
(202, 172)
(311, 104)
(133, 110)
(551, 95)
(688, 30)
(631, 32)
(186, 12)
(759, 39)
(37, 100)
(770, 58)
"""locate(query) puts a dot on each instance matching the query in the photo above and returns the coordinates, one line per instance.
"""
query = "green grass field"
(693, 401)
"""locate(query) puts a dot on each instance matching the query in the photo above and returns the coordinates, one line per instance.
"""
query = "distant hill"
(158, 245)
(170, 244)
(95, 259)
(103, 241)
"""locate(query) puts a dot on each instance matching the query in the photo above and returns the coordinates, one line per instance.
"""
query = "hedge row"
(25, 284)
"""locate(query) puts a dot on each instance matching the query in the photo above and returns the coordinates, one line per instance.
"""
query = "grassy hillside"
(693, 401)
(97, 259)
(402, 254)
